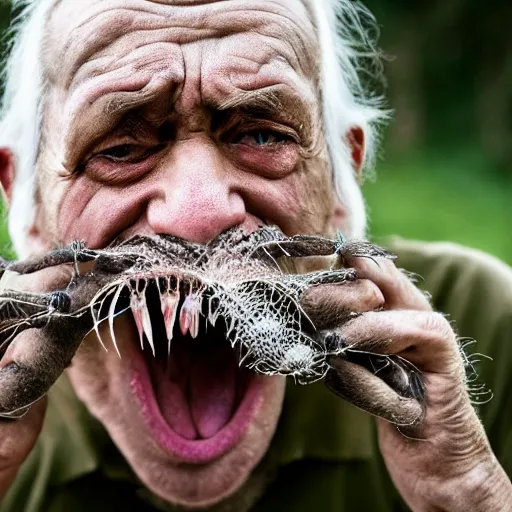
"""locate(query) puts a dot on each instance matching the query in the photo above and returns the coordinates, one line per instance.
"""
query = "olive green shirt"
(324, 455)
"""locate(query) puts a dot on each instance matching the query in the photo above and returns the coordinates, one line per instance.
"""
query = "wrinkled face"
(182, 118)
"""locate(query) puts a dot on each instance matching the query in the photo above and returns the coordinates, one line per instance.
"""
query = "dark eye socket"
(128, 152)
(118, 152)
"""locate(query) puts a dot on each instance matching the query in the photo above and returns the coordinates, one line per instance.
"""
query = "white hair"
(348, 53)
(21, 113)
(343, 40)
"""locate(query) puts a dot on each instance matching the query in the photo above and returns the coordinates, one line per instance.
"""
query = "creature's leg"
(296, 247)
(22, 310)
(166, 245)
(353, 248)
(27, 304)
(35, 361)
(74, 253)
(77, 253)
(115, 263)
(236, 236)
(328, 277)
(329, 306)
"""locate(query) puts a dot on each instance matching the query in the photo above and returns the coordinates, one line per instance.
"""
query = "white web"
(265, 319)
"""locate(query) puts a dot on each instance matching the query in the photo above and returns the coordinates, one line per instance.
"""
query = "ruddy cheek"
(273, 163)
(74, 203)
(97, 213)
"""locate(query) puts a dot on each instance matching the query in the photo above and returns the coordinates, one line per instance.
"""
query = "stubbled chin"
(102, 382)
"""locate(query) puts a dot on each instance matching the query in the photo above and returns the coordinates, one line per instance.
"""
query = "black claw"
(60, 301)
(333, 342)
(417, 386)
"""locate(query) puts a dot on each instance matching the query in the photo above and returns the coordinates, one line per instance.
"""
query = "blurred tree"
(450, 81)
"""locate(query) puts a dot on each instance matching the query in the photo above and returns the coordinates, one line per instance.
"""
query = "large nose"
(195, 195)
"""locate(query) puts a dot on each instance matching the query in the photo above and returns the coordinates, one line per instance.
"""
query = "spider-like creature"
(235, 285)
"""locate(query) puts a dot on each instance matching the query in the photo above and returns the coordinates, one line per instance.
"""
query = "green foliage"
(6, 250)
(443, 197)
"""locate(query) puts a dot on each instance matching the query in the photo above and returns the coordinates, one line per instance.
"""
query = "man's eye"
(127, 153)
(117, 152)
(263, 138)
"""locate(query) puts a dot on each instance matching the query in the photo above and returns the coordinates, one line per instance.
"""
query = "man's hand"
(18, 436)
(446, 463)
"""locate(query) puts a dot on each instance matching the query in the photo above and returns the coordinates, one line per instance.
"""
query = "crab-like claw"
(279, 320)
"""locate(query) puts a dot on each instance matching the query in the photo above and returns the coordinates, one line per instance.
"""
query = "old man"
(187, 118)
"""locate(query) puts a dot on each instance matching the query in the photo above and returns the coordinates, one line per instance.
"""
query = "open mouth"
(195, 397)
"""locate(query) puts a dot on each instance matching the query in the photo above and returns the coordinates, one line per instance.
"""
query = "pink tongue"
(212, 388)
(170, 393)
(207, 374)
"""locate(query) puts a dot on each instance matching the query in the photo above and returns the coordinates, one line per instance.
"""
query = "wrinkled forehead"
(83, 30)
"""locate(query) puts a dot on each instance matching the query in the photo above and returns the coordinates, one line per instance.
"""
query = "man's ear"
(355, 139)
(7, 172)
(34, 241)
(356, 142)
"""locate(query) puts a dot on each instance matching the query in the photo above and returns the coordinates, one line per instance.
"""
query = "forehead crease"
(138, 22)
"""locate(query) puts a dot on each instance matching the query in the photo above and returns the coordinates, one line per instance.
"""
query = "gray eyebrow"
(266, 99)
(284, 101)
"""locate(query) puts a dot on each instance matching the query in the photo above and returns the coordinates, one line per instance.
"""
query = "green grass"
(443, 198)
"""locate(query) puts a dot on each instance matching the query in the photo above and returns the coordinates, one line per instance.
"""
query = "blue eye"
(262, 137)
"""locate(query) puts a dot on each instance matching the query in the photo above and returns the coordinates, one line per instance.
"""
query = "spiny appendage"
(479, 392)
(262, 316)
(358, 248)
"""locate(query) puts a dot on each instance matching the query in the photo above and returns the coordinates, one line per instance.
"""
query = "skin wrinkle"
(215, 31)
(268, 101)
(142, 99)
(112, 106)
(124, 103)
(298, 47)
